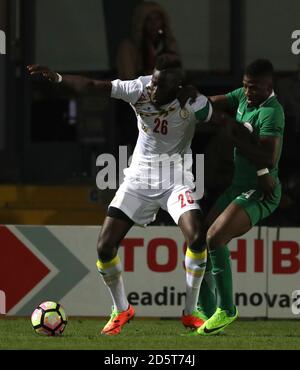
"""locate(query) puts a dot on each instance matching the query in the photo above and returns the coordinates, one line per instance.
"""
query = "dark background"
(48, 137)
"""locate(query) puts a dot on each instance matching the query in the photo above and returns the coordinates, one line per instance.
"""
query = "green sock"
(221, 263)
(207, 301)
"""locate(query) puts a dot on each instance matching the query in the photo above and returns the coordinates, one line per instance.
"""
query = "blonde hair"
(129, 60)
(139, 16)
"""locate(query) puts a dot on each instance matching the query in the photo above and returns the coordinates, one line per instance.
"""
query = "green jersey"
(266, 120)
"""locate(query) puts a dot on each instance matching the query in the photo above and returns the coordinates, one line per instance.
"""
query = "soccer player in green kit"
(255, 191)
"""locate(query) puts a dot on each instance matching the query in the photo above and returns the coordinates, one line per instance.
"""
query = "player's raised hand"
(45, 72)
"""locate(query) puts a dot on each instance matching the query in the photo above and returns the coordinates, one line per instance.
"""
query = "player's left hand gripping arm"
(76, 84)
(261, 151)
(187, 93)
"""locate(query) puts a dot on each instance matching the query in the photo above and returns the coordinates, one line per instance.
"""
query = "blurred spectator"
(151, 35)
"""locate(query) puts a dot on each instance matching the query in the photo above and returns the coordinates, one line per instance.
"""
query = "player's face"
(164, 88)
(257, 90)
(153, 24)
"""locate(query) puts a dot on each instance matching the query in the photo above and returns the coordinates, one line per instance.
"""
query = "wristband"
(262, 172)
(59, 78)
(248, 126)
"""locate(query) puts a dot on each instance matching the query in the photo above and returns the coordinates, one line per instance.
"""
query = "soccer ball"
(49, 318)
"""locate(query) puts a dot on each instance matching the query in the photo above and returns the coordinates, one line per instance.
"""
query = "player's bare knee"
(197, 243)
(214, 239)
(106, 250)
(106, 255)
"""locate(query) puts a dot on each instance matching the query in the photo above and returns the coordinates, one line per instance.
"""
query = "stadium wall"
(57, 263)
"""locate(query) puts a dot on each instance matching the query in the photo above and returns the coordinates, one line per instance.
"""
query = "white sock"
(111, 273)
(191, 300)
(195, 264)
(117, 291)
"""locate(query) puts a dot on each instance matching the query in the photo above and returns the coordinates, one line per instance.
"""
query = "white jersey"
(165, 133)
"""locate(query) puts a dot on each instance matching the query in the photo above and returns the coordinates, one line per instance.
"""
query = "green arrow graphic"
(71, 270)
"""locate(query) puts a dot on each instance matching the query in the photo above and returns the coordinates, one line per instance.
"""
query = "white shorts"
(141, 206)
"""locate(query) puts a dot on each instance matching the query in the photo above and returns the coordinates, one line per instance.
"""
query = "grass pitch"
(151, 334)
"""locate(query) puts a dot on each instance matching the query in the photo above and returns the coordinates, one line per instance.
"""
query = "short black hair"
(168, 60)
(260, 68)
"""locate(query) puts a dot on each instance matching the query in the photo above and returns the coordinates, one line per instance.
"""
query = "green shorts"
(251, 200)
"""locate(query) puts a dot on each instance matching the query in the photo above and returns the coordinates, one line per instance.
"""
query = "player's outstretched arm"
(220, 102)
(77, 84)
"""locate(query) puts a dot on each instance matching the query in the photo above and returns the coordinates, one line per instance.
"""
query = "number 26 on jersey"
(161, 126)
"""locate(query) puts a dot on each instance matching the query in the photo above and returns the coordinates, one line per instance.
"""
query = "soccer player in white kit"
(166, 129)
